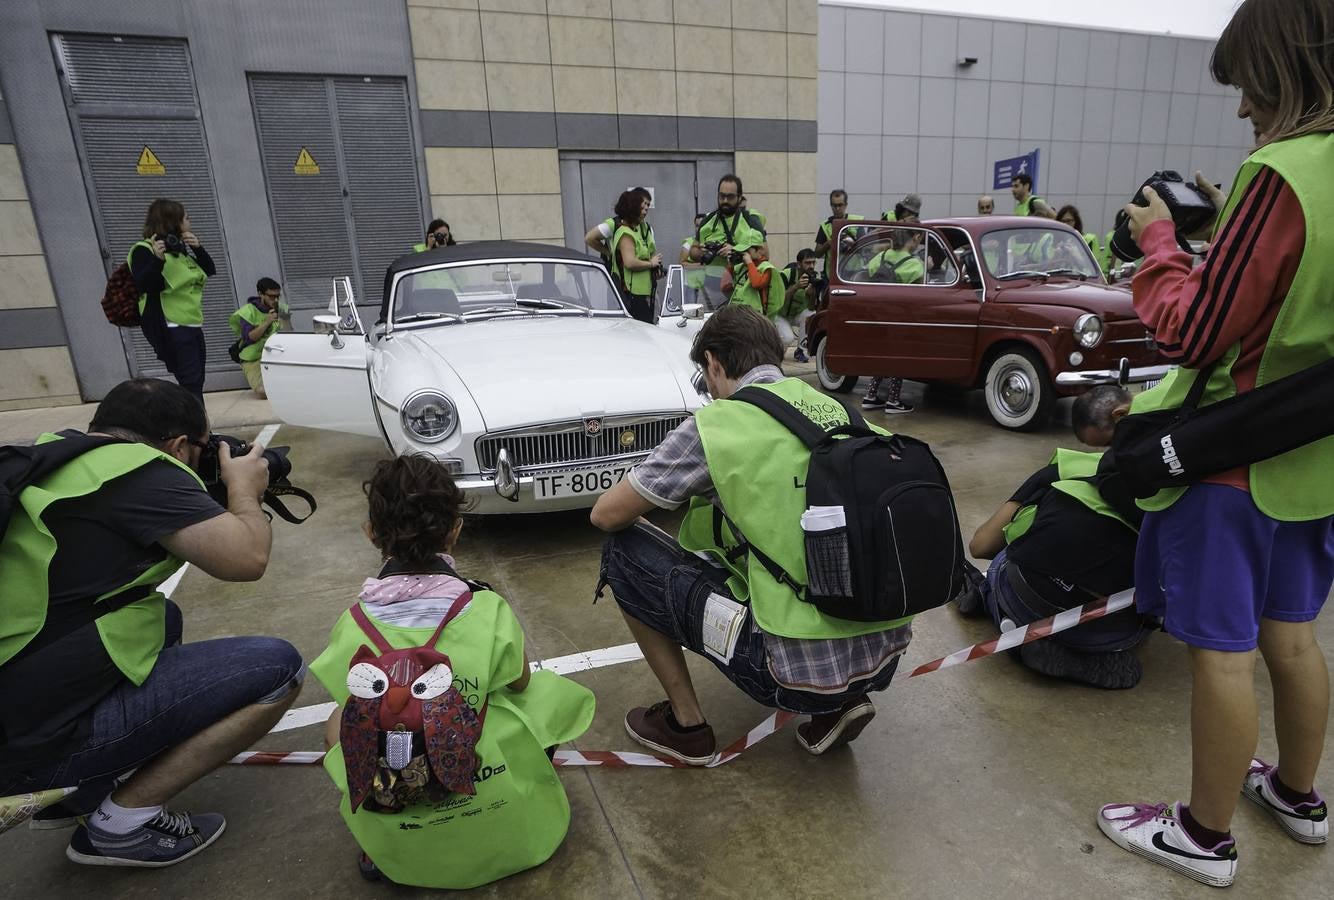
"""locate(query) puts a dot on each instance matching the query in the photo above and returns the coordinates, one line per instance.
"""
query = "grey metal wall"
(897, 113)
(228, 39)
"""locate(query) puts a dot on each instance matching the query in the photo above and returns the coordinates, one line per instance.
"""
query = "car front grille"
(569, 443)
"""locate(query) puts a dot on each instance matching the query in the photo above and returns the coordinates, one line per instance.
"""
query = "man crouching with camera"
(99, 692)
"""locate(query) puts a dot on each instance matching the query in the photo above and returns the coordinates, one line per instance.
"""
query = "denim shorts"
(666, 587)
(1212, 566)
(191, 687)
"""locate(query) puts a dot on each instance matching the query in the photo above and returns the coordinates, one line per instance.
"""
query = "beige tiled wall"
(33, 376)
(748, 59)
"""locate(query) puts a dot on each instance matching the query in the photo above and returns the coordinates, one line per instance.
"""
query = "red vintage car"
(1015, 306)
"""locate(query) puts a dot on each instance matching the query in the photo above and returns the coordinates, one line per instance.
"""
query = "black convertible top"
(478, 250)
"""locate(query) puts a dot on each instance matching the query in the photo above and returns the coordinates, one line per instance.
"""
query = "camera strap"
(274, 491)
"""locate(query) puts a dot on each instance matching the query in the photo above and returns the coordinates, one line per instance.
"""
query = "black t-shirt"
(1069, 547)
(103, 541)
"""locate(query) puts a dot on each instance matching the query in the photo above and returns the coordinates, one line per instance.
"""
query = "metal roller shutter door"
(364, 207)
(114, 118)
(309, 214)
(379, 154)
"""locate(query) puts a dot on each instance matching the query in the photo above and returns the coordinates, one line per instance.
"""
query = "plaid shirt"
(676, 471)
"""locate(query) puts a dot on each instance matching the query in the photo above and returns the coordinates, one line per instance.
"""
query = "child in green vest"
(409, 827)
(760, 286)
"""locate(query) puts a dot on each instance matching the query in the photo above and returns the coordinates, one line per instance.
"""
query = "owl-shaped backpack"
(407, 734)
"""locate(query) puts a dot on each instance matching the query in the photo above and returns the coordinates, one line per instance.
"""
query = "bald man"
(985, 205)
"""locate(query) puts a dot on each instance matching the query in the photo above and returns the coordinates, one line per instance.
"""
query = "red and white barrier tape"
(617, 759)
(1034, 631)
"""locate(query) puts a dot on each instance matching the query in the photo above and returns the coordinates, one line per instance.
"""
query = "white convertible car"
(516, 364)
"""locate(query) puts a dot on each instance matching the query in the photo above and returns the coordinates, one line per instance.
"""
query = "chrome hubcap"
(1014, 391)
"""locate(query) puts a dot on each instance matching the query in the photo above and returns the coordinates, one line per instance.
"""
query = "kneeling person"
(734, 460)
(95, 678)
(454, 682)
(1066, 538)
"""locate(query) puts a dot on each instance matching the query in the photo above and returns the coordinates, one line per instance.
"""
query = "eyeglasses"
(722, 196)
(272, 296)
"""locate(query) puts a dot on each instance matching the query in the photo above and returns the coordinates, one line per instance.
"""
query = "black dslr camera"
(172, 243)
(441, 239)
(713, 248)
(210, 472)
(1190, 207)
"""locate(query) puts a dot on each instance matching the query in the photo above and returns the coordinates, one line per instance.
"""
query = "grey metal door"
(126, 96)
(671, 181)
(341, 174)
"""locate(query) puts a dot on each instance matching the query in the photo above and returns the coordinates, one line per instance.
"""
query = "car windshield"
(483, 290)
(1009, 252)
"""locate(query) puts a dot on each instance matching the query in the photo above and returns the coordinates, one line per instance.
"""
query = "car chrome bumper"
(1091, 377)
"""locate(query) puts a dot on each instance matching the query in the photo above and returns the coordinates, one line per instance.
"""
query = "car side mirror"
(328, 324)
(692, 310)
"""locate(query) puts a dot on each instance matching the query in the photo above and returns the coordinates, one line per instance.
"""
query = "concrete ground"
(975, 781)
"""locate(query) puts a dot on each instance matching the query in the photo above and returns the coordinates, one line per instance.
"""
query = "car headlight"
(1088, 330)
(429, 416)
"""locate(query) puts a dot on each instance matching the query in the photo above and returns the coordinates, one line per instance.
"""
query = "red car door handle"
(842, 292)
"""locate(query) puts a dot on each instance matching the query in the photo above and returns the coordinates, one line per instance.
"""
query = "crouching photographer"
(1244, 558)
(95, 678)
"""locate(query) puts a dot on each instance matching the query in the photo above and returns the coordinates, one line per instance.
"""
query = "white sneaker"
(1305, 822)
(1154, 832)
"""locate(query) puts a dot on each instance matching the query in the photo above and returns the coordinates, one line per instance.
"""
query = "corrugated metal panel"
(112, 148)
(103, 68)
(380, 160)
(309, 211)
(128, 73)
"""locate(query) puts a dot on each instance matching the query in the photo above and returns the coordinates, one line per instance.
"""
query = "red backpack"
(407, 733)
(120, 301)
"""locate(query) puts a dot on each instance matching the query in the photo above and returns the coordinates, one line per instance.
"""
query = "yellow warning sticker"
(149, 164)
(305, 164)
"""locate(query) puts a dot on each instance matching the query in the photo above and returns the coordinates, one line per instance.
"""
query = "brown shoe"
(831, 730)
(655, 727)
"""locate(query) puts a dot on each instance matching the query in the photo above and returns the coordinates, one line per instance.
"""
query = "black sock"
(683, 729)
(1289, 796)
(1205, 837)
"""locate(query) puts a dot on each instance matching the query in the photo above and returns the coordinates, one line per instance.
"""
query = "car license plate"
(576, 483)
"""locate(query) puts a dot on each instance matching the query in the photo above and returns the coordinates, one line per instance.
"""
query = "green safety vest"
(758, 468)
(639, 283)
(251, 315)
(1108, 257)
(1293, 486)
(745, 295)
(183, 294)
(758, 217)
(1025, 207)
(1074, 468)
(909, 268)
(827, 230)
(520, 813)
(132, 635)
(801, 299)
(744, 235)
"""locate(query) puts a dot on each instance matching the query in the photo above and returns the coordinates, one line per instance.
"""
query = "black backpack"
(899, 552)
(24, 466)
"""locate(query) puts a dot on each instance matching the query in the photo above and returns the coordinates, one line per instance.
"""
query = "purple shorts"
(1212, 566)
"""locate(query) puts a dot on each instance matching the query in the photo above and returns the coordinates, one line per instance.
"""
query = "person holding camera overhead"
(1245, 559)
(96, 681)
(634, 260)
(170, 268)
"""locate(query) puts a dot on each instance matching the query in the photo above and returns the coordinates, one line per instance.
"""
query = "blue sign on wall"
(1006, 169)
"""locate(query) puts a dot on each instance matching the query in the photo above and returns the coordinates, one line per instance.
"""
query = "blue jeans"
(191, 687)
(665, 587)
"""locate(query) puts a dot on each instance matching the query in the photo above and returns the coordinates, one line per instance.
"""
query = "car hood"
(524, 371)
(1111, 303)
